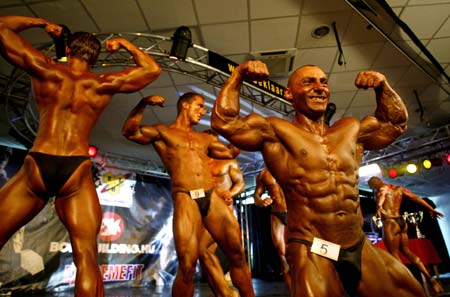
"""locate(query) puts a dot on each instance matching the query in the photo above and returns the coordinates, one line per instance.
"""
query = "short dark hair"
(186, 97)
(84, 45)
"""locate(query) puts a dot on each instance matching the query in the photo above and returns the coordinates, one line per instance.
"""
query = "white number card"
(198, 193)
(325, 248)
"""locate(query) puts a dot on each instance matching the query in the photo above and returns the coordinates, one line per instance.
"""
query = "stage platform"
(263, 288)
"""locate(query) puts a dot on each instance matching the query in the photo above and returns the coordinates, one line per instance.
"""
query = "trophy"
(414, 218)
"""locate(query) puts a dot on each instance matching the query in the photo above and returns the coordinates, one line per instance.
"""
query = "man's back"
(69, 105)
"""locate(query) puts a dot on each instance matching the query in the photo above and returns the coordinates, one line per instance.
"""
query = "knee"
(187, 268)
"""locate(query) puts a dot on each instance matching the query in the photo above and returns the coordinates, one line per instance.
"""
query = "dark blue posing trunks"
(202, 203)
(399, 220)
(282, 216)
(348, 265)
(56, 170)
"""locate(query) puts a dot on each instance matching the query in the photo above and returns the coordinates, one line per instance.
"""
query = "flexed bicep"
(20, 53)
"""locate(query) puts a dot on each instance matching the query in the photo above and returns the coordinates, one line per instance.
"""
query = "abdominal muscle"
(327, 208)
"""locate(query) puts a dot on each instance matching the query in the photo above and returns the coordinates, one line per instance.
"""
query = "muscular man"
(186, 153)
(395, 229)
(316, 166)
(278, 218)
(229, 182)
(70, 99)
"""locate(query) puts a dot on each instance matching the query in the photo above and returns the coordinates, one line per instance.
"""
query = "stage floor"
(262, 289)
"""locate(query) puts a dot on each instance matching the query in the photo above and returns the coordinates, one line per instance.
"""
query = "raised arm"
(391, 116)
(19, 51)
(132, 128)
(130, 79)
(247, 133)
(414, 198)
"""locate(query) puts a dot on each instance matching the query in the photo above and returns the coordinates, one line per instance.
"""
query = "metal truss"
(23, 118)
(22, 115)
(426, 144)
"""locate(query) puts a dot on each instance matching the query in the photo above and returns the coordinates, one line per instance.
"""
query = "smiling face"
(308, 91)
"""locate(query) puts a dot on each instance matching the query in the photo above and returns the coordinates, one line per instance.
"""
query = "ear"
(288, 94)
(185, 105)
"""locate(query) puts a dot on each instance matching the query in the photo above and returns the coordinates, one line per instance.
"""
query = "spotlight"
(392, 173)
(60, 43)
(368, 170)
(411, 168)
(447, 158)
(182, 40)
(92, 151)
(426, 164)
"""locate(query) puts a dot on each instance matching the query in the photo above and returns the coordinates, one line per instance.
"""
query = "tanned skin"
(229, 182)
(70, 99)
(276, 200)
(186, 154)
(389, 199)
(317, 166)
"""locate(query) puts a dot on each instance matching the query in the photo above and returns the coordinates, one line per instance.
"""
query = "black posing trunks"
(282, 216)
(399, 220)
(202, 203)
(348, 265)
(56, 170)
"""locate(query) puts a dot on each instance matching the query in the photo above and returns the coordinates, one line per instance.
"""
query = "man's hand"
(434, 214)
(154, 100)
(52, 29)
(369, 79)
(253, 70)
(226, 196)
(113, 45)
(265, 202)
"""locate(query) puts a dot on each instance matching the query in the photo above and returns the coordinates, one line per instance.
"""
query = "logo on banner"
(112, 227)
(110, 272)
(116, 189)
(113, 182)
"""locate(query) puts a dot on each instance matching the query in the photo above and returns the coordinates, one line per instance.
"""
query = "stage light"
(369, 170)
(447, 158)
(181, 42)
(60, 43)
(411, 168)
(426, 164)
(392, 172)
(92, 151)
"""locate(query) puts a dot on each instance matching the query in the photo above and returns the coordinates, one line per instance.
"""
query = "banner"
(220, 62)
(135, 243)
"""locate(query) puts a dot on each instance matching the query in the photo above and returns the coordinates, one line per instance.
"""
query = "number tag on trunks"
(198, 193)
(325, 248)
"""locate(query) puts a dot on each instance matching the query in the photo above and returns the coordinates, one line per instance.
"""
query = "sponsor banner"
(115, 187)
(110, 273)
(227, 66)
(135, 242)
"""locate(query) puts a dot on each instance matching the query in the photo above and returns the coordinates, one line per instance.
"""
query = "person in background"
(278, 218)
(198, 207)
(395, 229)
(70, 99)
(316, 166)
(229, 182)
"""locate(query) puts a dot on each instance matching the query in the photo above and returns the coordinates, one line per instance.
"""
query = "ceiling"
(281, 30)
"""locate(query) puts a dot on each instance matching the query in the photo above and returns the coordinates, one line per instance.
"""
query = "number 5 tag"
(325, 248)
